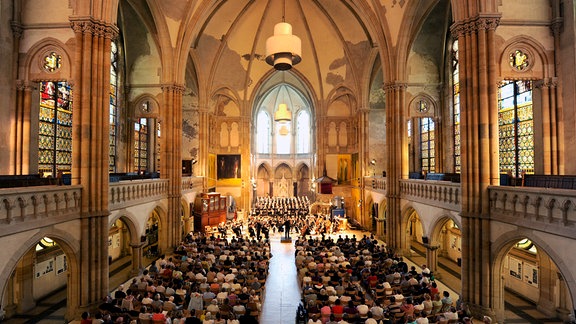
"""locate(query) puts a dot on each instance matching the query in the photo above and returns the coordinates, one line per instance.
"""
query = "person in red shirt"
(337, 310)
(86, 318)
(158, 316)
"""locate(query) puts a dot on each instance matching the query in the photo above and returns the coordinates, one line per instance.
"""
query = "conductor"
(287, 229)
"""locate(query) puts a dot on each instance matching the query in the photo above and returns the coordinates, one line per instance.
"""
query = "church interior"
(441, 127)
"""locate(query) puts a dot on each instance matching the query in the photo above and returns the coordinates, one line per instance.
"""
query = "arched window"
(283, 137)
(516, 127)
(456, 112)
(141, 145)
(277, 128)
(113, 105)
(263, 132)
(55, 128)
(427, 154)
(303, 132)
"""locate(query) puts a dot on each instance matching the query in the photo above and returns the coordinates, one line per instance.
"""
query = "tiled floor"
(282, 288)
(283, 293)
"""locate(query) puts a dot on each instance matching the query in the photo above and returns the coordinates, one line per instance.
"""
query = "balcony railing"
(192, 183)
(38, 206)
(443, 194)
(129, 193)
(549, 210)
(375, 183)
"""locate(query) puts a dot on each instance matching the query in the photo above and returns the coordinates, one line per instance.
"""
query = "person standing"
(287, 229)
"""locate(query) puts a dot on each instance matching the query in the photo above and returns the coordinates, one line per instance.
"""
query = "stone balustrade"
(192, 183)
(443, 194)
(549, 210)
(130, 193)
(31, 207)
(377, 184)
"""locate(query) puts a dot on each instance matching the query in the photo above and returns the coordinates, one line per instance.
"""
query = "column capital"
(137, 245)
(24, 85)
(17, 29)
(173, 87)
(89, 25)
(473, 25)
(556, 26)
(431, 247)
(394, 85)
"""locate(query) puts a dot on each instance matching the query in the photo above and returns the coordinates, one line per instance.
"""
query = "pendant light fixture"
(283, 50)
(283, 114)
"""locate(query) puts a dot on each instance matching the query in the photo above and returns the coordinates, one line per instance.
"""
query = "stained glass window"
(113, 106)
(52, 62)
(55, 128)
(141, 145)
(427, 154)
(456, 112)
(516, 127)
(519, 60)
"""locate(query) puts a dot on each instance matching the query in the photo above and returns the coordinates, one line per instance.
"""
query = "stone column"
(432, 258)
(171, 160)
(558, 146)
(136, 258)
(22, 128)
(380, 223)
(479, 118)
(91, 75)
(396, 164)
(21, 112)
(25, 275)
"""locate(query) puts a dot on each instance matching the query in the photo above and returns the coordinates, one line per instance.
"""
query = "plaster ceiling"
(230, 50)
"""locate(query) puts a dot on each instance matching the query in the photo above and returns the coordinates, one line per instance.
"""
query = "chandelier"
(283, 49)
(283, 114)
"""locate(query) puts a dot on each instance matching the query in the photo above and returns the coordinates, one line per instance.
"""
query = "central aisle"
(282, 288)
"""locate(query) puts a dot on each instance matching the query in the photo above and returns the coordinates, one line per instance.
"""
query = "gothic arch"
(435, 228)
(220, 102)
(71, 248)
(127, 218)
(407, 214)
(500, 248)
(33, 70)
(538, 69)
(417, 111)
(146, 105)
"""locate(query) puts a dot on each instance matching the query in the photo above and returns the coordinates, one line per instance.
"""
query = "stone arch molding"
(540, 67)
(33, 61)
(408, 211)
(500, 248)
(129, 219)
(67, 242)
(438, 222)
(220, 102)
(146, 105)
(415, 109)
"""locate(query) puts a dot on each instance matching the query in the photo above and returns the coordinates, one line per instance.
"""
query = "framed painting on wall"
(228, 169)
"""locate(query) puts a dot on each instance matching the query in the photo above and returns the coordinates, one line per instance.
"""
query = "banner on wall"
(515, 267)
(61, 264)
(531, 274)
(43, 268)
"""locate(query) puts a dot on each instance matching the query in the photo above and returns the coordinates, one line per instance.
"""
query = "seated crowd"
(350, 280)
(208, 279)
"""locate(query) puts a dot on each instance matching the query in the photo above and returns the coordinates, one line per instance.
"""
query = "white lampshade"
(283, 49)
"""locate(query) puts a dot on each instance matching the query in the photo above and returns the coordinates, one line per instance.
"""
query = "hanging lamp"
(283, 50)
(283, 114)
